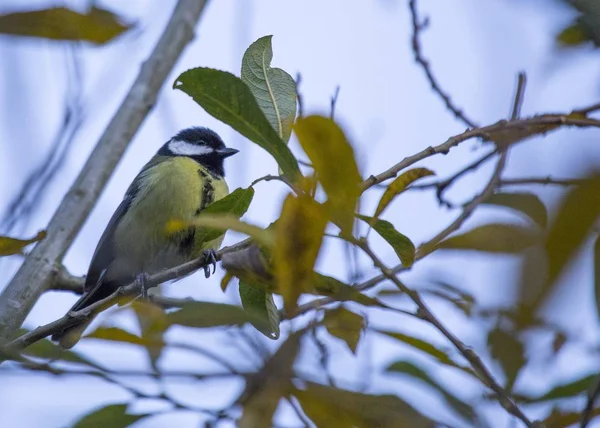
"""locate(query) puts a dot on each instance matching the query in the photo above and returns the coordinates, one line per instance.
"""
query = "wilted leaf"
(9, 246)
(99, 26)
(527, 203)
(332, 407)
(228, 98)
(492, 238)
(273, 88)
(113, 415)
(509, 351)
(566, 390)
(299, 236)
(399, 185)
(265, 389)
(574, 221)
(344, 325)
(426, 347)
(403, 246)
(457, 404)
(332, 157)
(223, 222)
(261, 304)
(208, 314)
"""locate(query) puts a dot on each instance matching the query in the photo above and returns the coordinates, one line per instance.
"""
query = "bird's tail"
(71, 335)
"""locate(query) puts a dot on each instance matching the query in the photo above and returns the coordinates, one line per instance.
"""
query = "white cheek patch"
(183, 148)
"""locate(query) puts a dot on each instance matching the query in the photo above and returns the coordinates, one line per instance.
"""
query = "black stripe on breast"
(208, 192)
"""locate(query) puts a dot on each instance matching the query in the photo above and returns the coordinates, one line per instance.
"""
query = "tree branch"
(35, 275)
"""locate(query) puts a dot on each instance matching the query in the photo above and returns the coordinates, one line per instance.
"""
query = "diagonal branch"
(35, 275)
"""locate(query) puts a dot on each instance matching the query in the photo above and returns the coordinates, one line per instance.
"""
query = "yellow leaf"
(226, 280)
(9, 246)
(399, 185)
(223, 222)
(332, 157)
(99, 26)
(299, 236)
(344, 325)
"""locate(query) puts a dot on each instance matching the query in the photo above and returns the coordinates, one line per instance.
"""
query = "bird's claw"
(210, 258)
(144, 283)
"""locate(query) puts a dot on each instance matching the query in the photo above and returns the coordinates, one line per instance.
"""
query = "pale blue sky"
(388, 110)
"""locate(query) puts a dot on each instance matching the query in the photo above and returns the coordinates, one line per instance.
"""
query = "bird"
(184, 177)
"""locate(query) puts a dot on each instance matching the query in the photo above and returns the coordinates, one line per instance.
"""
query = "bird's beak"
(226, 152)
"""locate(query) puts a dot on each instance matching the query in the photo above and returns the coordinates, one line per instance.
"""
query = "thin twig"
(417, 27)
(519, 96)
(467, 353)
(542, 180)
(299, 96)
(35, 274)
(484, 132)
(589, 408)
(334, 99)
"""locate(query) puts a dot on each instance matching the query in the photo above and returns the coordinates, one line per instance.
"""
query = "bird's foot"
(143, 281)
(210, 258)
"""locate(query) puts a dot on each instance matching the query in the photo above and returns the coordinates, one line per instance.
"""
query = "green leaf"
(597, 274)
(261, 304)
(273, 88)
(561, 418)
(333, 160)
(113, 415)
(10, 246)
(228, 98)
(115, 334)
(300, 231)
(327, 406)
(344, 325)
(509, 351)
(566, 390)
(399, 185)
(403, 246)
(527, 203)
(492, 238)
(99, 26)
(573, 35)
(235, 204)
(462, 408)
(426, 347)
(208, 314)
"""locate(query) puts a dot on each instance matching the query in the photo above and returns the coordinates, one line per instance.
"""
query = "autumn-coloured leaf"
(113, 415)
(223, 222)
(492, 238)
(399, 185)
(9, 246)
(334, 163)
(98, 26)
(406, 367)
(327, 406)
(116, 334)
(261, 304)
(273, 88)
(227, 98)
(526, 203)
(299, 236)
(562, 419)
(344, 325)
(509, 351)
(401, 244)
(273, 382)
(573, 35)
(152, 322)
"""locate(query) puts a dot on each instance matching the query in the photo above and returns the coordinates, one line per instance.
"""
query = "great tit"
(184, 177)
